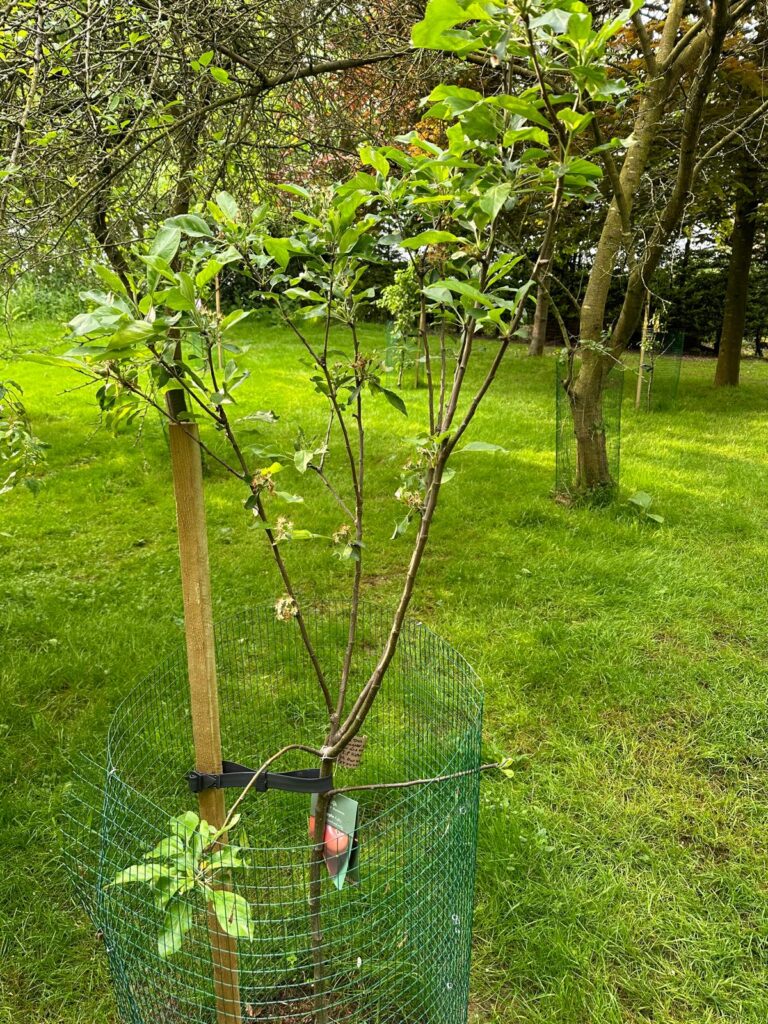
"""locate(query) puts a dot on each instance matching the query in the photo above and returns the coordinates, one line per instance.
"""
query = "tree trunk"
(734, 315)
(593, 472)
(541, 316)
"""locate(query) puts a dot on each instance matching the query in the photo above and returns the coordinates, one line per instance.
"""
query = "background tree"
(116, 114)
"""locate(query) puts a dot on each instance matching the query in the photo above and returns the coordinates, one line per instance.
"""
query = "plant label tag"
(340, 848)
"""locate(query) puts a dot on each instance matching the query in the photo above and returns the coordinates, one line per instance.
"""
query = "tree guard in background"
(397, 942)
(660, 367)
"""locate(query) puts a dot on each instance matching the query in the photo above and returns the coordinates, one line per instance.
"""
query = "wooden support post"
(203, 692)
(643, 351)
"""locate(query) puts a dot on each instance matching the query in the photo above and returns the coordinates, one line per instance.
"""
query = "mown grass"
(622, 871)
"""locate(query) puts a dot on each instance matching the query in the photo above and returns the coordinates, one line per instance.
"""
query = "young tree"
(152, 339)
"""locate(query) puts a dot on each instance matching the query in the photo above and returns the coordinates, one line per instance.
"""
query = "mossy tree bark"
(540, 321)
(586, 401)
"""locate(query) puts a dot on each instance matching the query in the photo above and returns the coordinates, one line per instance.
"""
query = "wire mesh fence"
(395, 943)
(567, 474)
(661, 371)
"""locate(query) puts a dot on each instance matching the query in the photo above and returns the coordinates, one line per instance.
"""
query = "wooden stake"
(643, 350)
(203, 691)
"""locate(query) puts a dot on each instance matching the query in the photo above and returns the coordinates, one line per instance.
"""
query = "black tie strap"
(237, 776)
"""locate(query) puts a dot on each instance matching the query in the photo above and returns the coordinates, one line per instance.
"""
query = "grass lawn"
(623, 871)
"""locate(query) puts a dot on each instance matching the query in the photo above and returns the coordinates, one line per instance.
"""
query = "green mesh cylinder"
(396, 946)
(661, 372)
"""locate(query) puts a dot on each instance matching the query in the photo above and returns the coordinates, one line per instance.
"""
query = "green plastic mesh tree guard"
(565, 438)
(661, 371)
(397, 944)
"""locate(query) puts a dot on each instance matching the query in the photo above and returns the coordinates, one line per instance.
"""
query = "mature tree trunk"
(586, 397)
(540, 320)
(735, 313)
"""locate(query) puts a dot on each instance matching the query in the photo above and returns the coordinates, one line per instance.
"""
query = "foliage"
(22, 454)
(641, 502)
(401, 300)
(118, 112)
(51, 296)
(439, 205)
(186, 871)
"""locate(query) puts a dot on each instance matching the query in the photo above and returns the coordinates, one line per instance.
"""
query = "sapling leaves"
(186, 870)
(232, 913)
(178, 920)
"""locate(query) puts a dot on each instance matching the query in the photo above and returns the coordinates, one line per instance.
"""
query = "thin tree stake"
(203, 691)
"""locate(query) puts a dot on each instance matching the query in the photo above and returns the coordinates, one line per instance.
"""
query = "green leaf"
(279, 249)
(161, 267)
(207, 273)
(391, 396)
(232, 913)
(177, 922)
(401, 526)
(291, 499)
(185, 824)
(295, 190)
(437, 29)
(463, 288)
(573, 121)
(641, 499)
(494, 198)
(583, 168)
(191, 225)
(369, 155)
(228, 205)
(302, 459)
(233, 318)
(133, 333)
(438, 293)
(140, 873)
(175, 299)
(430, 237)
(110, 279)
(528, 134)
(220, 74)
(166, 242)
(225, 859)
(524, 108)
(169, 847)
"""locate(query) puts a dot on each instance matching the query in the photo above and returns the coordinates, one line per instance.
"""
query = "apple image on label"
(335, 842)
